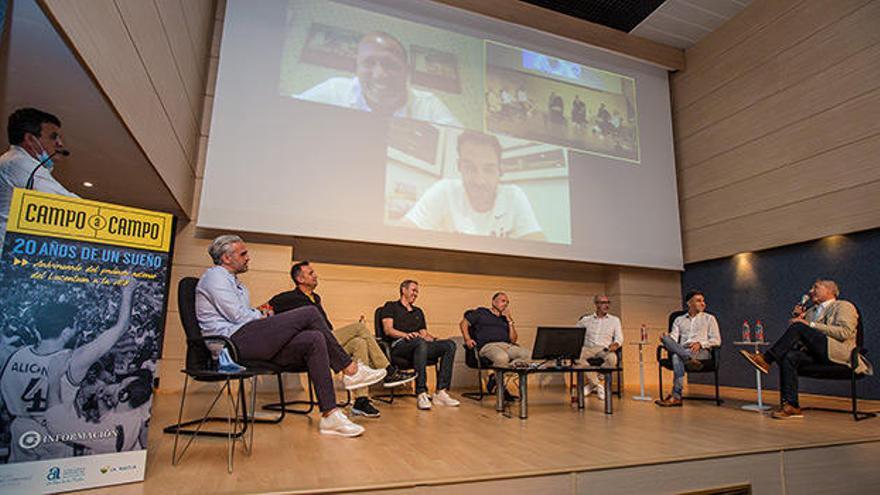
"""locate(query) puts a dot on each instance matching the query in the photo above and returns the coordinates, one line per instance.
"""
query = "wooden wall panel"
(801, 140)
(832, 44)
(839, 212)
(776, 117)
(150, 59)
(795, 27)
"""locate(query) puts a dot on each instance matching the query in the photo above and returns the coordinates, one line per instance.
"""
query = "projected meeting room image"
(468, 182)
(544, 98)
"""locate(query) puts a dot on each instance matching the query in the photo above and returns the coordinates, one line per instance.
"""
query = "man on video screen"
(478, 203)
(381, 85)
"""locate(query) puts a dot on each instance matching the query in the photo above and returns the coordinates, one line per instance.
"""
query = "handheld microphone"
(30, 181)
(805, 299)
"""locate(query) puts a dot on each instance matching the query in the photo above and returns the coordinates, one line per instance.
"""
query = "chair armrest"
(386, 347)
(715, 352)
(660, 350)
(476, 357)
(854, 357)
(233, 349)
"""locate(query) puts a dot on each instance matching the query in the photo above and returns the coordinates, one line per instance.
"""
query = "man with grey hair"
(297, 338)
(602, 338)
(822, 333)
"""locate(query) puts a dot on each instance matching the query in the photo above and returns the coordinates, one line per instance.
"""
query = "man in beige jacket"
(824, 333)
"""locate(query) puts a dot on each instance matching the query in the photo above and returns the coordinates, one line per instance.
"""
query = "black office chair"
(201, 367)
(834, 371)
(710, 365)
(397, 361)
(199, 357)
(474, 361)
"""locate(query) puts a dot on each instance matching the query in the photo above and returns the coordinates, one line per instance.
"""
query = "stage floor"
(407, 448)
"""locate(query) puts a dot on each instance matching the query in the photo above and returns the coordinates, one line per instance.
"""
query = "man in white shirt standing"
(34, 137)
(381, 85)
(476, 204)
(692, 335)
(602, 338)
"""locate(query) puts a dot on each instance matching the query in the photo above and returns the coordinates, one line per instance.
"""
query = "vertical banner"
(83, 293)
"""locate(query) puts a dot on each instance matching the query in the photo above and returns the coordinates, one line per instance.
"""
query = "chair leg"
(284, 405)
(181, 426)
(477, 396)
(717, 391)
(620, 384)
(660, 380)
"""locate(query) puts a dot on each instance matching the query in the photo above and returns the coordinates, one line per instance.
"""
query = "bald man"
(381, 85)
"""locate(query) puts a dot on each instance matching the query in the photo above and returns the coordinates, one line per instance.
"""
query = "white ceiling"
(682, 23)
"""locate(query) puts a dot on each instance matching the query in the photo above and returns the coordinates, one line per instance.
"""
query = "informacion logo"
(30, 440)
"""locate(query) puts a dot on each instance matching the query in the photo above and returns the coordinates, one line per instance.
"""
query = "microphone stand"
(30, 181)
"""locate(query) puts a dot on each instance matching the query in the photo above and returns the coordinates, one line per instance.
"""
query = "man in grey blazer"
(826, 332)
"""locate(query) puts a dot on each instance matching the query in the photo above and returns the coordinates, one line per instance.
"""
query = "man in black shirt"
(493, 332)
(404, 325)
(356, 339)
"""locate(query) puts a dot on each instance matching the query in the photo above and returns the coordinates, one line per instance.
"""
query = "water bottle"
(747, 332)
(643, 333)
(759, 331)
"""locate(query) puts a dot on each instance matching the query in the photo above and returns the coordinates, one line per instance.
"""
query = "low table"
(523, 374)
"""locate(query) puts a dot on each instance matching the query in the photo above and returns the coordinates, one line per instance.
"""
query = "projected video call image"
(373, 63)
(543, 98)
(432, 127)
(468, 182)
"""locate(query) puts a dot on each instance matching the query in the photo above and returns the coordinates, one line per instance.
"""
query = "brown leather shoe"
(757, 360)
(787, 412)
(669, 401)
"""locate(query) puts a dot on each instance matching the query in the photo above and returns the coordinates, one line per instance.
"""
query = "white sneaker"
(364, 377)
(337, 423)
(443, 399)
(424, 402)
(588, 389)
(600, 391)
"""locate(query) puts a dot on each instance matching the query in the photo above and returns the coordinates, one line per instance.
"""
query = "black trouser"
(419, 351)
(297, 338)
(791, 356)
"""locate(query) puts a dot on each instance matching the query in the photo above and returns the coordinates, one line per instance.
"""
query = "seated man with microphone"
(34, 139)
(822, 333)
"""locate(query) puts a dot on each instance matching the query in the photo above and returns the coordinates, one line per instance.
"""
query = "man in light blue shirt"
(34, 135)
(299, 338)
(692, 335)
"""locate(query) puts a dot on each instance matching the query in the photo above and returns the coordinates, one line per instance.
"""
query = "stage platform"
(641, 448)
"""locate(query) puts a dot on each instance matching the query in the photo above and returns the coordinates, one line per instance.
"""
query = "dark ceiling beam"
(596, 35)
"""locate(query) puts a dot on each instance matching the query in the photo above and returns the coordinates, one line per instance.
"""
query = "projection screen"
(412, 123)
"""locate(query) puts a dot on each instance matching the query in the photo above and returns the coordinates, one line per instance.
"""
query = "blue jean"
(680, 354)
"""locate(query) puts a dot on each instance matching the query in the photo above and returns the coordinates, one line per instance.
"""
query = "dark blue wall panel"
(765, 285)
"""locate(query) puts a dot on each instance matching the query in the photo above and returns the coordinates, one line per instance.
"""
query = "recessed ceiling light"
(88, 184)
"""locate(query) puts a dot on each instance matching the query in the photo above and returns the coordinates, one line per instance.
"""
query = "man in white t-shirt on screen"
(478, 203)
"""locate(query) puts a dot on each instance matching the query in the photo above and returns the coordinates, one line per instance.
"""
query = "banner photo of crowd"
(81, 331)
